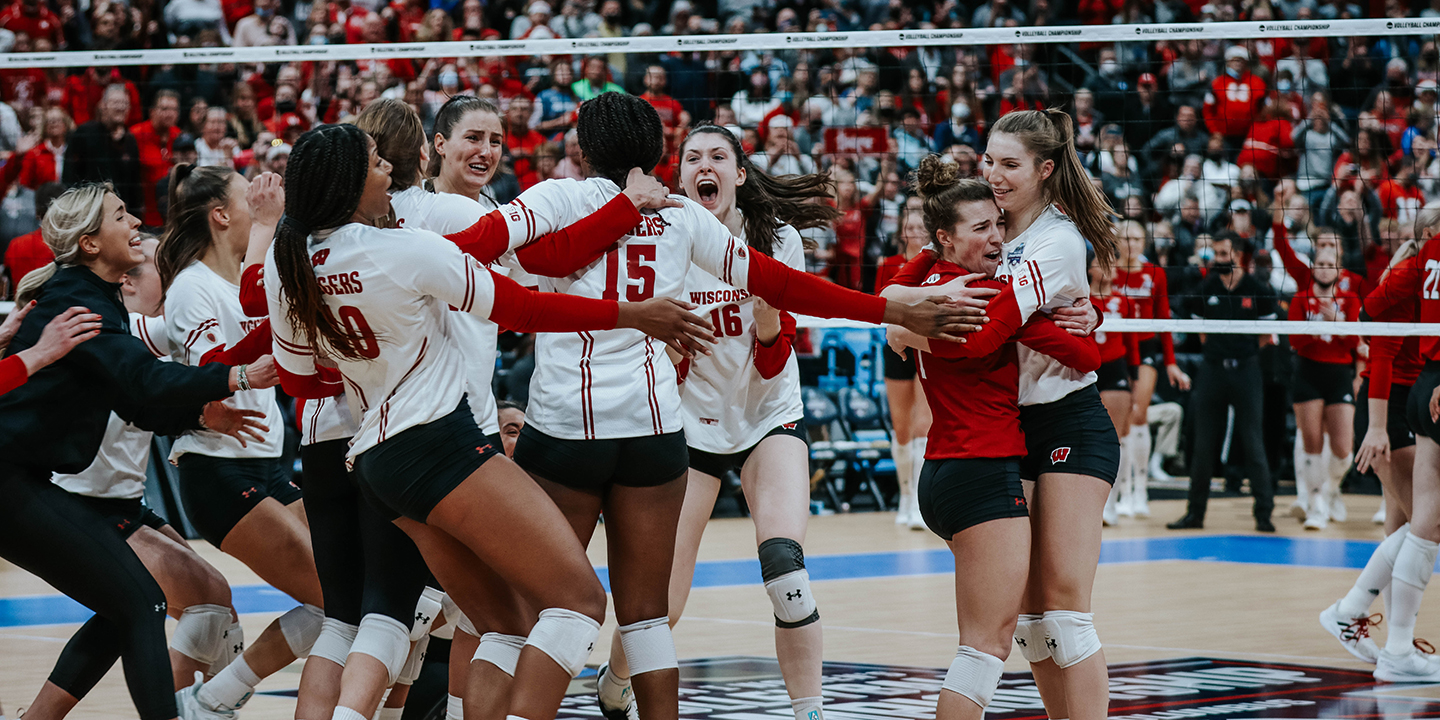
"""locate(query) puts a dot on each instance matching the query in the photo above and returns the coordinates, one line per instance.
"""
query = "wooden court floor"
(1155, 605)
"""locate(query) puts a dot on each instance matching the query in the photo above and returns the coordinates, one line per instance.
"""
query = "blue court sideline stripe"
(1249, 549)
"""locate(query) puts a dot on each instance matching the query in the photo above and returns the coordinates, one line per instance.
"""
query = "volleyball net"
(1279, 136)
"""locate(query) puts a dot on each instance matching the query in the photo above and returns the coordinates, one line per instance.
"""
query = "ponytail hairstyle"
(80, 211)
(323, 185)
(449, 115)
(942, 190)
(194, 192)
(1050, 135)
(618, 132)
(766, 200)
(399, 136)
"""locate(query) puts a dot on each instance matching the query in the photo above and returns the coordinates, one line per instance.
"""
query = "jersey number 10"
(639, 273)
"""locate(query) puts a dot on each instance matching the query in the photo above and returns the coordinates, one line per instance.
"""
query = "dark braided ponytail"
(618, 132)
(766, 200)
(323, 185)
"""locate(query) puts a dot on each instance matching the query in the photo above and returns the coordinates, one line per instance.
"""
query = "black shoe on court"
(1189, 522)
(1264, 525)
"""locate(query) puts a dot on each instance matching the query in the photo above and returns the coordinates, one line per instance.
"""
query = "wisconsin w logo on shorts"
(1059, 455)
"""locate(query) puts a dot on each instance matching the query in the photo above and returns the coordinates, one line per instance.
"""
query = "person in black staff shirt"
(103, 150)
(1229, 376)
(56, 422)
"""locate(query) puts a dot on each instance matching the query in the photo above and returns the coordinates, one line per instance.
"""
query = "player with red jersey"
(1324, 387)
(1144, 283)
(1415, 277)
(1119, 352)
(970, 489)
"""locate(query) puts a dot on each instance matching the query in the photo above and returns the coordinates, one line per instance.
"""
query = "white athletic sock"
(1375, 577)
(1414, 564)
(344, 713)
(613, 688)
(454, 708)
(1121, 493)
(904, 464)
(1140, 461)
(231, 687)
(806, 708)
(389, 713)
(917, 464)
(1315, 481)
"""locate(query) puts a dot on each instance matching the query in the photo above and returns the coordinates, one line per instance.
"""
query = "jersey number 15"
(639, 273)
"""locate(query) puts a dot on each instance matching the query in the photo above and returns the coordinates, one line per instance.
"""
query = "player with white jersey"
(238, 495)
(603, 430)
(742, 410)
(376, 302)
(1073, 454)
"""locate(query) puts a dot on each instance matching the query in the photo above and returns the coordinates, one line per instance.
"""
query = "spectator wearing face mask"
(265, 27)
(1235, 97)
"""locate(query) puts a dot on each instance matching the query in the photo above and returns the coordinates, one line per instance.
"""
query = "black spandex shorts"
(1150, 354)
(717, 464)
(413, 471)
(1324, 381)
(1071, 435)
(1417, 410)
(1396, 424)
(1114, 375)
(960, 493)
(217, 492)
(125, 515)
(898, 367)
(595, 465)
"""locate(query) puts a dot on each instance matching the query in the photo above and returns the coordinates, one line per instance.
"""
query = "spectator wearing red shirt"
(1269, 146)
(84, 91)
(519, 138)
(29, 251)
(546, 159)
(44, 163)
(672, 116)
(33, 19)
(851, 229)
(1235, 97)
(411, 15)
(156, 138)
(1400, 197)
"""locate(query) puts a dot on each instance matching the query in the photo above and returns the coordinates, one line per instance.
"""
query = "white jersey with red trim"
(325, 419)
(443, 214)
(727, 405)
(118, 471)
(617, 383)
(203, 313)
(394, 290)
(1046, 264)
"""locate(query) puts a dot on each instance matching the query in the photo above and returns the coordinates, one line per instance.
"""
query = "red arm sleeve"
(1161, 309)
(1299, 343)
(913, 272)
(1132, 349)
(1401, 283)
(1042, 336)
(323, 384)
(522, 310)
(1352, 314)
(1383, 350)
(13, 373)
(884, 273)
(1004, 323)
(770, 359)
(252, 291)
(1294, 266)
(789, 289)
(486, 240)
(248, 350)
(561, 253)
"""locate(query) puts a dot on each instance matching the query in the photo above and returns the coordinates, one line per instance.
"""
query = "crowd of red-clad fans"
(1192, 138)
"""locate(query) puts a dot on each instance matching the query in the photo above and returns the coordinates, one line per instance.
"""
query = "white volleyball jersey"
(443, 214)
(728, 407)
(617, 383)
(1046, 264)
(325, 419)
(118, 471)
(394, 289)
(202, 313)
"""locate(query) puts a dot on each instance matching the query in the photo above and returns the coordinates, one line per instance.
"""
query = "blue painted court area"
(1254, 550)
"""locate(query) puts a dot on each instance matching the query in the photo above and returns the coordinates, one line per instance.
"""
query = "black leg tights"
(91, 652)
(49, 533)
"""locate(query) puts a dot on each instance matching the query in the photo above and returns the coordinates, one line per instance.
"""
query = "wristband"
(242, 382)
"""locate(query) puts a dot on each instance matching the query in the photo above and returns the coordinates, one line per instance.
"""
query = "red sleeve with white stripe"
(13, 373)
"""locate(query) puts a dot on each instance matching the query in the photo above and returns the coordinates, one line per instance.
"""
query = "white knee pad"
(414, 663)
(500, 650)
(974, 674)
(200, 633)
(1390, 546)
(385, 639)
(335, 640)
(1070, 636)
(301, 626)
(464, 625)
(452, 615)
(427, 608)
(782, 566)
(234, 646)
(1031, 639)
(1415, 562)
(566, 636)
(649, 646)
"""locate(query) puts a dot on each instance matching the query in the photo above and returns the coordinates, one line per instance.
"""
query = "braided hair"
(323, 186)
(618, 132)
(767, 201)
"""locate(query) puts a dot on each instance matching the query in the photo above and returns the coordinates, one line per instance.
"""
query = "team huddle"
(370, 283)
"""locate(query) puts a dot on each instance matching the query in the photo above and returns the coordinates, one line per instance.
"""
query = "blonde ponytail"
(76, 213)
